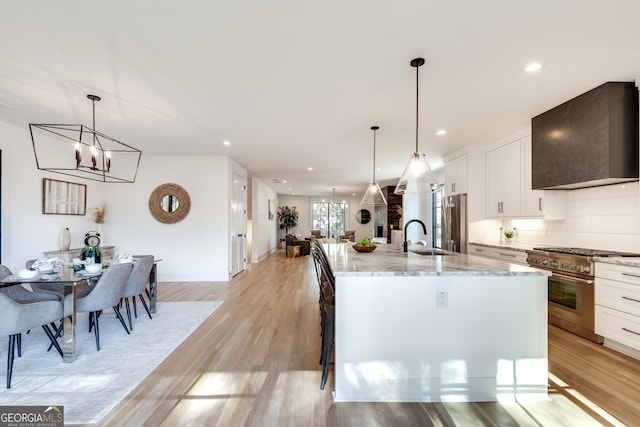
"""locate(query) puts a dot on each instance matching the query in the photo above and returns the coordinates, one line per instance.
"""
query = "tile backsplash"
(606, 217)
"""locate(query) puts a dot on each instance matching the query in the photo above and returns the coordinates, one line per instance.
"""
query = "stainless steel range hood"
(588, 141)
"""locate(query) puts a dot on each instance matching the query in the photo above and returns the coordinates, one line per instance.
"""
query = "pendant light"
(417, 176)
(373, 195)
(83, 152)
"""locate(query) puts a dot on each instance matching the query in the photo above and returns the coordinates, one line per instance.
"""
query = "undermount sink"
(429, 252)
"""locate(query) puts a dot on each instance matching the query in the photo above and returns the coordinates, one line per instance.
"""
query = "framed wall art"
(63, 198)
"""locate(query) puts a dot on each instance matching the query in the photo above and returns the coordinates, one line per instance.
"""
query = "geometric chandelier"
(83, 152)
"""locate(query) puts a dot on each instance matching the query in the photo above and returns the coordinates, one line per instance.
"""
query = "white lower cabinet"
(617, 298)
(500, 253)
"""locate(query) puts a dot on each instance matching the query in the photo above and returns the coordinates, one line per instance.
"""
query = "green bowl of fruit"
(364, 245)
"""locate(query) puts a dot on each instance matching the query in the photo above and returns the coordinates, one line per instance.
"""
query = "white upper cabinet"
(509, 192)
(550, 204)
(532, 200)
(464, 174)
(504, 174)
(456, 175)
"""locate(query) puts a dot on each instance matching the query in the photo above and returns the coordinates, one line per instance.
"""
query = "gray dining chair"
(137, 284)
(16, 318)
(106, 293)
(21, 295)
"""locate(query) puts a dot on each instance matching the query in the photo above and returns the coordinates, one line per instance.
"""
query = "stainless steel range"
(571, 286)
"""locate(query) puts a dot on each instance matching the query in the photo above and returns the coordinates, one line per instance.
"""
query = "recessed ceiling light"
(534, 66)
(441, 132)
(309, 168)
(226, 143)
(289, 188)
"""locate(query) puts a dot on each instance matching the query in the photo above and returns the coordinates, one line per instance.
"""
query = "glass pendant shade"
(373, 195)
(417, 176)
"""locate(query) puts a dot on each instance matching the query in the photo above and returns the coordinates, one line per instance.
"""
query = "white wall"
(303, 206)
(196, 248)
(264, 237)
(417, 206)
(26, 232)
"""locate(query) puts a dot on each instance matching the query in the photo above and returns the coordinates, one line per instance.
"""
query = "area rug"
(94, 384)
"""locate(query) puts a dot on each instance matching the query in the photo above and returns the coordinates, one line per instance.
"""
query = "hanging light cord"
(94, 121)
(374, 152)
(417, 103)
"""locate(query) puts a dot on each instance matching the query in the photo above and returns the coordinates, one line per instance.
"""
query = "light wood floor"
(254, 362)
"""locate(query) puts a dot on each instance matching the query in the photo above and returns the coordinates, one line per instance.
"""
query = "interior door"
(238, 224)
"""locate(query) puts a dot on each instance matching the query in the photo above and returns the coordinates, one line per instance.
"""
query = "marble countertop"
(628, 261)
(522, 247)
(389, 260)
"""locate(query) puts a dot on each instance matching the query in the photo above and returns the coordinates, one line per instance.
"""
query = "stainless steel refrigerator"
(454, 223)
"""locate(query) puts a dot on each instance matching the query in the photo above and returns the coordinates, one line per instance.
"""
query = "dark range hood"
(588, 141)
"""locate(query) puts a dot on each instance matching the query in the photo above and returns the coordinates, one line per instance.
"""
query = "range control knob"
(587, 269)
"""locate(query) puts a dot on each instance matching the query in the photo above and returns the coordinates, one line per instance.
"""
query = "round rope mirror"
(169, 203)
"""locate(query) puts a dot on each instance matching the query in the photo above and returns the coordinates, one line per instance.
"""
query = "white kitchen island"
(415, 328)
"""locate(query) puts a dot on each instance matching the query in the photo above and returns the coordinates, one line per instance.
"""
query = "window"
(436, 220)
(328, 218)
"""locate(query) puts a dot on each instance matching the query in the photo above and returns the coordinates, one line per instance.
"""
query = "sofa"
(305, 245)
(349, 235)
(316, 234)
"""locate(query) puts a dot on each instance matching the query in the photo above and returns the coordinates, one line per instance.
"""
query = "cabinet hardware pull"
(631, 274)
(510, 255)
(630, 299)
(630, 331)
(540, 204)
(572, 279)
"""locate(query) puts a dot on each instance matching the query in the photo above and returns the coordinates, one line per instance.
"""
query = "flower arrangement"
(99, 213)
(508, 234)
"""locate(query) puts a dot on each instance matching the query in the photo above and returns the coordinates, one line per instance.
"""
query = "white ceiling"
(294, 84)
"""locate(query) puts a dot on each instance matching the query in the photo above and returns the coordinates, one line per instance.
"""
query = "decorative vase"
(65, 239)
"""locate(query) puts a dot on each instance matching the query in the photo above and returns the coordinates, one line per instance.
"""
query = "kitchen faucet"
(405, 246)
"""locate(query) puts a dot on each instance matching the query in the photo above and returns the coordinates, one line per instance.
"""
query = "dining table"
(69, 281)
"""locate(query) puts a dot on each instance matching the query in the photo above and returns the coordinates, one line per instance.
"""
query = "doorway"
(238, 224)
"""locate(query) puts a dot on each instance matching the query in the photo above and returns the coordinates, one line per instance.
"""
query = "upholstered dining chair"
(16, 318)
(106, 293)
(137, 284)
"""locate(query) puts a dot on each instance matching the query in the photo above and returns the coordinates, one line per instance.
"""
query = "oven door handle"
(573, 279)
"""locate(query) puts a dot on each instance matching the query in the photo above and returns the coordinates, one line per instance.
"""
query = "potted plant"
(288, 218)
(509, 235)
